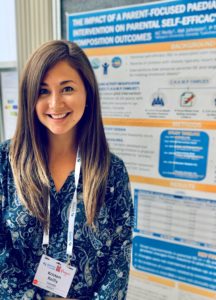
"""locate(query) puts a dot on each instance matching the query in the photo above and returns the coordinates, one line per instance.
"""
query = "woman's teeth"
(60, 116)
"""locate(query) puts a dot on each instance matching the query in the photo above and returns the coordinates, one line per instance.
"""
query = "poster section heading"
(157, 22)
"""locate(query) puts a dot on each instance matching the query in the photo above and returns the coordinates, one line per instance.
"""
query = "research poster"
(9, 85)
(156, 68)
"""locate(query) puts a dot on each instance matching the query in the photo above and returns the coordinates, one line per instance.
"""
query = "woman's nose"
(55, 101)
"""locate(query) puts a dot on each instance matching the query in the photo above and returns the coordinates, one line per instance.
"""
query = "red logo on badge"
(35, 281)
(58, 268)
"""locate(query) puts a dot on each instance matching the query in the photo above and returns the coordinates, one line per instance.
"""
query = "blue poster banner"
(152, 23)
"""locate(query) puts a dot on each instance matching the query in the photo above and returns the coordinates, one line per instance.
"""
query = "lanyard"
(72, 212)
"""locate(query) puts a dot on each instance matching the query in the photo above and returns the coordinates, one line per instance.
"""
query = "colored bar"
(157, 47)
(174, 184)
(153, 278)
(160, 123)
(196, 290)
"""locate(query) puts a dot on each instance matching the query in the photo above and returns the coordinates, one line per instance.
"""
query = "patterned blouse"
(101, 256)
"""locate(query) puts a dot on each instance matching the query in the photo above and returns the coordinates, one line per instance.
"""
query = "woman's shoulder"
(4, 147)
(4, 152)
(117, 167)
(119, 200)
(116, 161)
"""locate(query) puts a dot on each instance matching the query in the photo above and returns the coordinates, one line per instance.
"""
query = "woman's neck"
(61, 145)
(61, 158)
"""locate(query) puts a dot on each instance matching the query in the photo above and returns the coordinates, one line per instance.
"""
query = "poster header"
(164, 22)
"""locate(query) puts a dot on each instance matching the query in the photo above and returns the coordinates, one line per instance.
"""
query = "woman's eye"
(43, 91)
(67, 89)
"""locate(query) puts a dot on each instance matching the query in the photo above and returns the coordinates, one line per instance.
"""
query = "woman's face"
(62, 99)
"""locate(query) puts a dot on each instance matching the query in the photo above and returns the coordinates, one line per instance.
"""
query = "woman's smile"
(59, 117)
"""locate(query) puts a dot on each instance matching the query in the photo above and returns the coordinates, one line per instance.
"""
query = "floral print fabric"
(101, 255)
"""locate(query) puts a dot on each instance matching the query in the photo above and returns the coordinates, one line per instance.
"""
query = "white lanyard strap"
(46, 233)
(73, 207)
(72, 212)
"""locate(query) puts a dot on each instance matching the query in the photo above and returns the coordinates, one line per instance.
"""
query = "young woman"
(65, 200)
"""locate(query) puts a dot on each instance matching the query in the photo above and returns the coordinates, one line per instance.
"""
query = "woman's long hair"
(28, 151)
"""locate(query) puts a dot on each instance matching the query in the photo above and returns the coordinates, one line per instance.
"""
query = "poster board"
(155, 64)
(9, 83)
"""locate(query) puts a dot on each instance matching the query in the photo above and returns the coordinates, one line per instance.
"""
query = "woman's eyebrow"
(66, 81)
(61, 83)
(43, 83)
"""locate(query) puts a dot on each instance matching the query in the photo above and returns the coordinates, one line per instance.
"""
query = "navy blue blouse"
(101, 255)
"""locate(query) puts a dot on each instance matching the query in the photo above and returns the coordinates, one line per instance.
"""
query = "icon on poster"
(158, 99)
(187, 99)
(95, 63)
(105, 68)
(116, 62)
(214, 100)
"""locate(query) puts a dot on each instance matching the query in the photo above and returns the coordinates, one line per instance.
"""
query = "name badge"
(54, 276)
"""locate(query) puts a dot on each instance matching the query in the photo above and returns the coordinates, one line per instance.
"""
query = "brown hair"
(28, 151)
